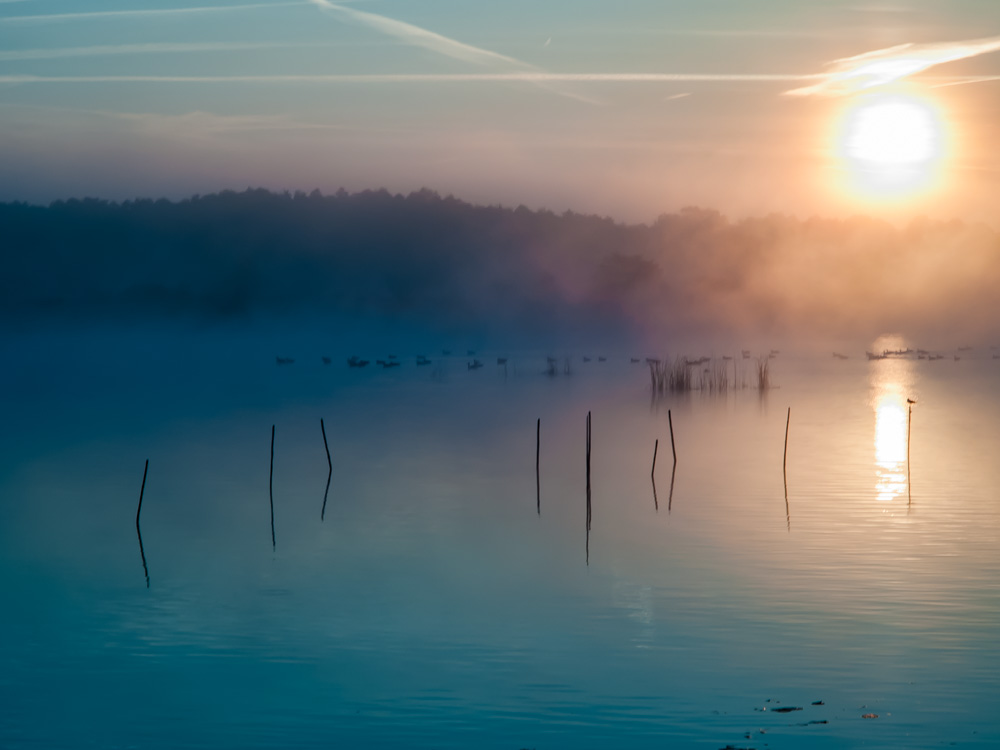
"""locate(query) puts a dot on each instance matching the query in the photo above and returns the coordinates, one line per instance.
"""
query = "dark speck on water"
(786, 709)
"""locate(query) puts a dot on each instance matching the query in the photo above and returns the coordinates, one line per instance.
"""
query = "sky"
(628, 109)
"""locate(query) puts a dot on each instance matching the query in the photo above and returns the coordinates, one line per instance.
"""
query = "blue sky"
(629, 108)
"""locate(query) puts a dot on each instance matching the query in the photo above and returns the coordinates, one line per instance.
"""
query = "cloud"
(523, 77)
(880, 67)
(967, 79)
(448, 47)
(85, 15)
(421, 37)
(53, 53)
(206, 124)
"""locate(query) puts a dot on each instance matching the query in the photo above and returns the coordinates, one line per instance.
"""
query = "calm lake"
(445, 601)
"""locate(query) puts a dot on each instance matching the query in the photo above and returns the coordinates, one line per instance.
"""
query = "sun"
(891, 145)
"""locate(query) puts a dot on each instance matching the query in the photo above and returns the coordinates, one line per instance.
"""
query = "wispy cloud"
(526, 77)
(138, 13)
(420, 37)
(54, 53)
(446, 46)
(851, 74)
(207, 125)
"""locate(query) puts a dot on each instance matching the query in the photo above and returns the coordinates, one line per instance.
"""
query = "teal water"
(436, 607)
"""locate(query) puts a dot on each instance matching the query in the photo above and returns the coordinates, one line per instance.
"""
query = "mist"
(434, 266)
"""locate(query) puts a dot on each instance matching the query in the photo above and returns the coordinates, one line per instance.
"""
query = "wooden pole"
(538, 481)
(138, 532)
(670, 499)
(909, 418)
(329, 474)
(142, 489)
(784, 463)
(909, 492)
(656, 446)
(588, 471)
(670, 420)
(588, 488)
(270, 488)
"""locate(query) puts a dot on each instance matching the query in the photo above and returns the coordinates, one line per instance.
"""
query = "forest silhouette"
(438, 259)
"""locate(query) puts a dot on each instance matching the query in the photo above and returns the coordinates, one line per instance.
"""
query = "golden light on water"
(891, 385)
(891, 145)
(890, 446)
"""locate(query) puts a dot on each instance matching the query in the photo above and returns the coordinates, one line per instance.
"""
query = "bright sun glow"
(892, 145)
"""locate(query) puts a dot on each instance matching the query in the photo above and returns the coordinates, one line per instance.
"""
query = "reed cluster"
(763, 373)
(715, 377)
(670, 376)
(709, 375)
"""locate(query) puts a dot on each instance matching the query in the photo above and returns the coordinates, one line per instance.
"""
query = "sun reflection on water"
(891, 382)
(890, 447)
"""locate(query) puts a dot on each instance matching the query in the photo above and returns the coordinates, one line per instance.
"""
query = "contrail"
(443, 45)
(134, 49)
(85, 15)
(421, 37)
(429, 78)
(883, 66)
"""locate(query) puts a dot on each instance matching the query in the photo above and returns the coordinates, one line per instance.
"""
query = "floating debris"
(869, 716)
(786, 709)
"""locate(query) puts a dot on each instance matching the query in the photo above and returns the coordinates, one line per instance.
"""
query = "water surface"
(443, 604)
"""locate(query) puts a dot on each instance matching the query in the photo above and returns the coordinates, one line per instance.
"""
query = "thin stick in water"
(588, 489)
(788, 511)
(909, 417)
(784, 462)
(329, 474)
(270, 488)
(138, 533)
(142, 489)
(670, 500)
(538, 481)
(588, 471)
(670, 421)
(656, 447)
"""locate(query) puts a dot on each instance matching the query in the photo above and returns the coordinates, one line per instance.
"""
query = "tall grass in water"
(763, 373)
(740, 379)
(670, 376)
(715, 377)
